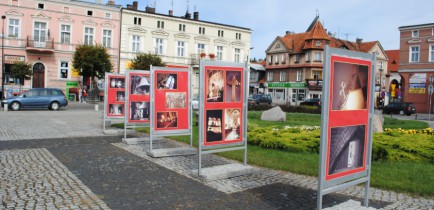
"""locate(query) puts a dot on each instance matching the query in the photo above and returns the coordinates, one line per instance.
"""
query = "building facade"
(180, 41)
(45, 33)
(294, 63)
(416, 64)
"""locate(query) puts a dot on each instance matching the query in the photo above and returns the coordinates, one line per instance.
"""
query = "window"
(270, 76)
(237, 55)
(317, 56)
(14, 27)
(297, 58)
(136, 43)
(381, 65)
(88, 36)
(308, 56)
(182, 27)
(137, 21)
(65, 34)
(200, 48)
(89, 13)
(284, 58)
(431, 53)
(299, 75)
(415, 33)
(40, 34)
(219, 51)
(160, 24)
(282, 76)
(64, 69)
(159, 46)
(106, 38)
(414, 54)
(41, 6)
(277, 59)
(201, 30)
(316, 75)
(181, 49)
(270, 59)
(15, 3)
(238, 36)
(220, 33)
(318, 44)
(108, 15)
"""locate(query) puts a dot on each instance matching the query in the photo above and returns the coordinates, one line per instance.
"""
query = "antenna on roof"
(172, 5)
(155, 3)
(317, 13)
(188, 5)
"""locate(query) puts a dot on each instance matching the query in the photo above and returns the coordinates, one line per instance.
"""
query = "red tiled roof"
(393, 62)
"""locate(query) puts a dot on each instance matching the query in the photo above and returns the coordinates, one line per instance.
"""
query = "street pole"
(3, 56)
(430, 91)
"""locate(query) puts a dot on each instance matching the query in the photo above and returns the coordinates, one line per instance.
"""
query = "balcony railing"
(314, 84)
(41, 45)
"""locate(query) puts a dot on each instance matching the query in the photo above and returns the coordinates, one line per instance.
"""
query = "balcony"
(45, 46)
(314, 84)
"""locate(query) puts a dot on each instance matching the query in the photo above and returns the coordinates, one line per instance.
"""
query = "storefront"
(290, 93)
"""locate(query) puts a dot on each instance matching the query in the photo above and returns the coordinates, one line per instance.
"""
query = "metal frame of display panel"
(185, 132)
(106, 100)
(242, 145)
(127, 101)
(335, 184)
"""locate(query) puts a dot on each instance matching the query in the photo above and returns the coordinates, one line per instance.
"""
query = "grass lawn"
(410, 177)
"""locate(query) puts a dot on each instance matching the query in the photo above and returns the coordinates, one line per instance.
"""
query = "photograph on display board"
(167, 119)
(176, 100)
(215, 85)
(350, 86)
(346, 148)
(214, 125)
(233, 86)
(116, 109)
(140, 85)
(120, 95)
(140, 110)
(117, 83)
(232, 124)
(167, 81)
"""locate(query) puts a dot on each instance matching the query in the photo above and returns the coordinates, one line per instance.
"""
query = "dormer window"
(40, 6)
(415, 33)
(318, 44)
(89, 13)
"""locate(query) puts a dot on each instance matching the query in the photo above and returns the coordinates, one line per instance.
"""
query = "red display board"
(348, 116)
(171, 95)
(138, 96)
(115, 96)
(223, 105)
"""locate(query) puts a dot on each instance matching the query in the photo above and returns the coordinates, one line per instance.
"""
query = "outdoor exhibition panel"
(114, 101)
(346, 133)
(137, 102)
(170, 102)
(222, 107)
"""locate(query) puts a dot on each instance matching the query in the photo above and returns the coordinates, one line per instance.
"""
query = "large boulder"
(377, 122)
(274, 114)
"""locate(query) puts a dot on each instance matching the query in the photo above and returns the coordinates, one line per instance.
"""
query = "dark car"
(260, 98)
(51, 98)
(400, 108)
(311, 102)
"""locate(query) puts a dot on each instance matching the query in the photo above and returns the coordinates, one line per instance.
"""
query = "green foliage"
(143, 61)
(286, 108)
(22, 70)
(92, 60)
(404, 124)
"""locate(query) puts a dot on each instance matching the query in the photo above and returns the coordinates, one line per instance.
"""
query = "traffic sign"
(430, 89)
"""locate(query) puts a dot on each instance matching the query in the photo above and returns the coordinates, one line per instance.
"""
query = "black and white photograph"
(140, 85)
(117, 83)
(120, 96)
(116, 109)
(140, 110)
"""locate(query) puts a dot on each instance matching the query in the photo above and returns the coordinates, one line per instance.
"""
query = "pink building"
(45, 34)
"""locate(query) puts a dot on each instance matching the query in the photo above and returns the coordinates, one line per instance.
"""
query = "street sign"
(431, 79)
(430, 89)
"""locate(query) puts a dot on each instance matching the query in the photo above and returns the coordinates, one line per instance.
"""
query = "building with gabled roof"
(294, 63)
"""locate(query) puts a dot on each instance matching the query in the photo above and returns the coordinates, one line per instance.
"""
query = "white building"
(180, 41)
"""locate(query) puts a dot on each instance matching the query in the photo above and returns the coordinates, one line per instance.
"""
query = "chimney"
(110, 2)
(129, 6)
(150, 9)
(359, 40)
(289, 32)
(135, 5)
(187, 15)
(196, 15)
(170, 12)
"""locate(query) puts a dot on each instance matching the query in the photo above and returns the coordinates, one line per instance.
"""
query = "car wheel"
(15, 106)
(54, 106)
(401, 112)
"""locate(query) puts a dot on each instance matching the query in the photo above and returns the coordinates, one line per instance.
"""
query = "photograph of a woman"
(349, 86)
(140, 85)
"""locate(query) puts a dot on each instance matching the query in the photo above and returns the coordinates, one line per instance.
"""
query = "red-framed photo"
(348, 112)
(138, 97)
(167, 120)
(115, 98)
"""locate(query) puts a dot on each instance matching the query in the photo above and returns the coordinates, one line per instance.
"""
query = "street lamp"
(3, 56)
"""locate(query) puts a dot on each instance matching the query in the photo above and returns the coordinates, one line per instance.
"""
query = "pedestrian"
(83, 95)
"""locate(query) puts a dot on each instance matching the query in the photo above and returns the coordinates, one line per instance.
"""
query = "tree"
(21, 70)
(92, 61)
(143, 61)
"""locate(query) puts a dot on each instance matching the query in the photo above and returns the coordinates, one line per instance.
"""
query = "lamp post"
(379, 91)
(3, 56)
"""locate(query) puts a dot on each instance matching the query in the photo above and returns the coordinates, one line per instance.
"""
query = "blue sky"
(371, 20)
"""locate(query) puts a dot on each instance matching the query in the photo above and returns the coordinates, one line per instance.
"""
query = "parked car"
(311, 102)
(400, 108)
(260, 98)
(51, 98)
